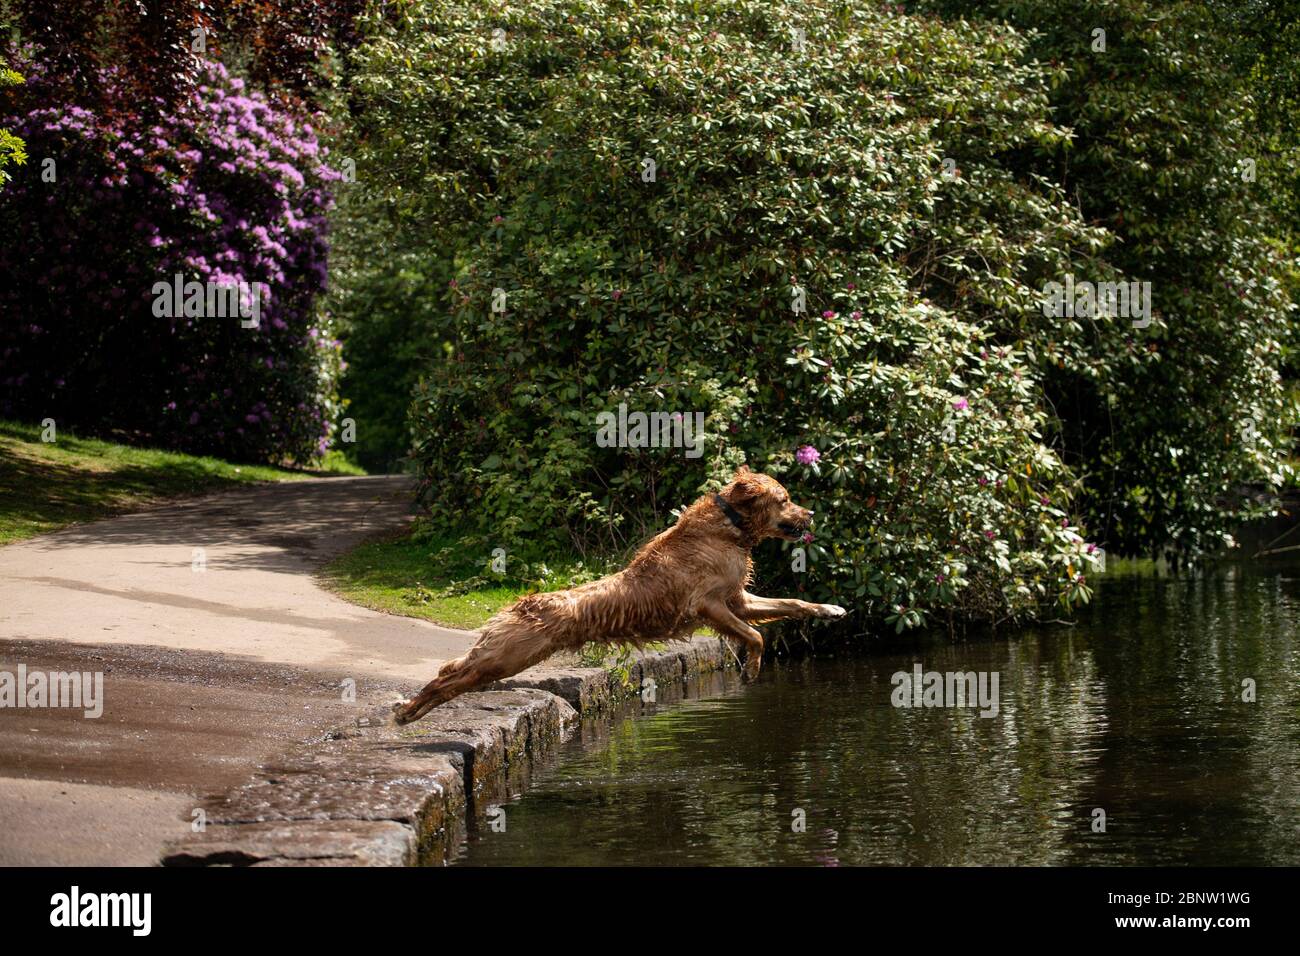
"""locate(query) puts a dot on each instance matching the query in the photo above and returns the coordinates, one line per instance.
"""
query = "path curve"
(208, 674)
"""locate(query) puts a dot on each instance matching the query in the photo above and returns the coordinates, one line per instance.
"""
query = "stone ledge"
(300, 843)
(376, 794)
(592, 689)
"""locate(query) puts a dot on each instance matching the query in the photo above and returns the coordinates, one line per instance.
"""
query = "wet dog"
(692, 575)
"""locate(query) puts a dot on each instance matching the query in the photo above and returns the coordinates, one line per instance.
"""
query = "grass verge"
(45, 486)
(446, 579)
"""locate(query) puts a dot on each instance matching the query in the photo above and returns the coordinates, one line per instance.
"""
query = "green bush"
(12, 150)
(385, 291)
(1167, 425)
(778, 170)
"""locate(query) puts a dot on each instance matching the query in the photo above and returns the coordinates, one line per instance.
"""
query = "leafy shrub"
(1166, 425)
(913, 432)
(228, 188)
(385, 288)
(12, 150)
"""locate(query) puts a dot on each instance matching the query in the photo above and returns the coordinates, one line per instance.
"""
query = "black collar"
(732, 514)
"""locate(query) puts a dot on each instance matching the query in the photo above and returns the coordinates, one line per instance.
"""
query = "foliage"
(228, 189)
(1166, 426)
(386, 286)
(131, 58)
(778, 170)
(12, 150)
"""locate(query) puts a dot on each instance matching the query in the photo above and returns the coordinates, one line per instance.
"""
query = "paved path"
(207, 673)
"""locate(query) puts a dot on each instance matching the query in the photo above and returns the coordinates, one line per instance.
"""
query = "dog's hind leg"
(502, 651)
(450, 682)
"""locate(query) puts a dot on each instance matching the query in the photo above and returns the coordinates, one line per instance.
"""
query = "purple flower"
(807, 455)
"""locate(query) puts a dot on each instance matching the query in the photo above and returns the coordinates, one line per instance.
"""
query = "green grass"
(444, 578)
(45, 486)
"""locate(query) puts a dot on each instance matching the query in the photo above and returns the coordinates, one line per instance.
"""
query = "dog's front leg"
(718, 616)
(759, 609)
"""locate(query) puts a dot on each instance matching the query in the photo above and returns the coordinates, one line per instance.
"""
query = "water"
(1135, 710)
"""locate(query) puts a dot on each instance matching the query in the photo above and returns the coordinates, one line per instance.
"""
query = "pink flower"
(807, 454)
(990, 535)
(961, 405)
(828, 314)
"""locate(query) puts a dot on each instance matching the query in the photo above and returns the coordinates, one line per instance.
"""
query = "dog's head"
(766, 507)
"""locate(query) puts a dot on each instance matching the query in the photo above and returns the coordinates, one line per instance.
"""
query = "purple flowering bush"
(228, 188)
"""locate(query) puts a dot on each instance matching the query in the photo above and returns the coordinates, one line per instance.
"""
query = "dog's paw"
(399, 712)
(830, 611)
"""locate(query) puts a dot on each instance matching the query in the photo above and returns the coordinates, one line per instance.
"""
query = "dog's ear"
(744, 487)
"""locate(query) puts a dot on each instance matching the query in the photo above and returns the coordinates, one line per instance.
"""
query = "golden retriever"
(691, 575)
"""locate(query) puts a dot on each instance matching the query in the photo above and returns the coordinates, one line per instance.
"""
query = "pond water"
(1135, 710)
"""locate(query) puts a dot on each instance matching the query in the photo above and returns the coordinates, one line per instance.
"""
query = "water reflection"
(1135, 710)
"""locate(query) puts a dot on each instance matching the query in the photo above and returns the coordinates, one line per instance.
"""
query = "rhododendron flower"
(807, 455)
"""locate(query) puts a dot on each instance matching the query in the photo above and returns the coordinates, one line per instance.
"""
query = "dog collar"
(732, 514)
